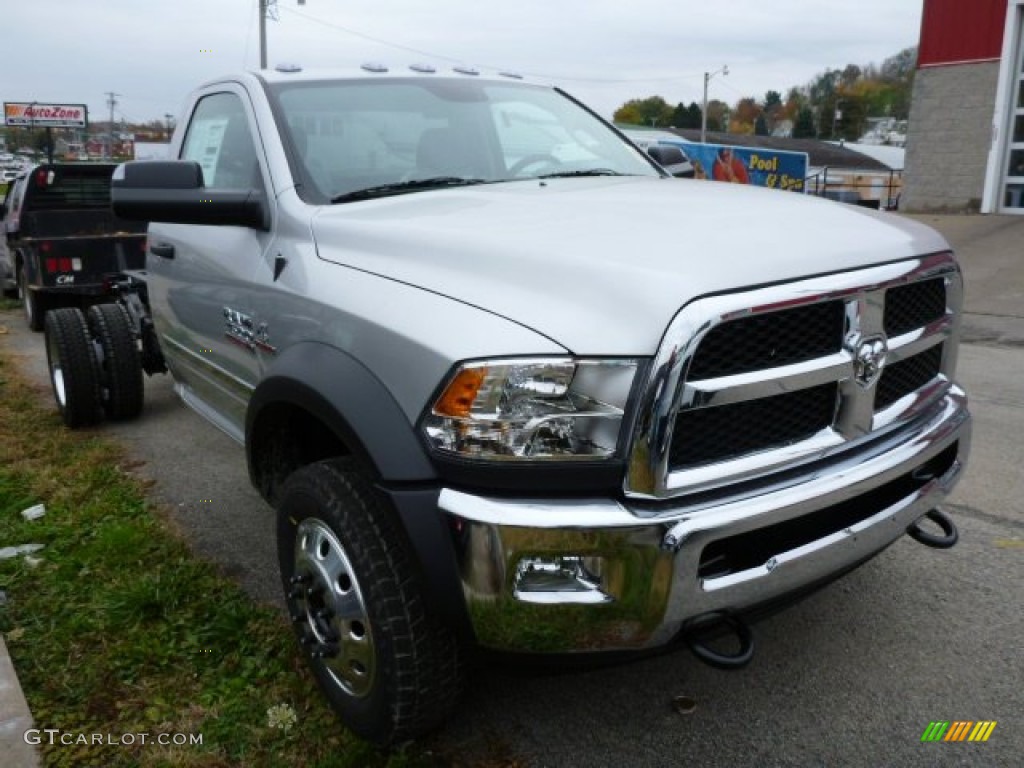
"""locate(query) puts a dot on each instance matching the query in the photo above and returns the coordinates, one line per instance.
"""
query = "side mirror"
(173, 191)
(671, 159)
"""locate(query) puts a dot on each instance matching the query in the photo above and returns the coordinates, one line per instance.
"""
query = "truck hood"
(601, 265)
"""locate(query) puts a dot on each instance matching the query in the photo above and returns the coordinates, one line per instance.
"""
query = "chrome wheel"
(331, 605)
(56, 371)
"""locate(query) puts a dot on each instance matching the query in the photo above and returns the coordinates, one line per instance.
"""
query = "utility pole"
(266, 8)
(704, 111)
(111, 102)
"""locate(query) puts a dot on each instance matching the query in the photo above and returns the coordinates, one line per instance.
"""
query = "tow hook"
(945, 522)
(697, 631)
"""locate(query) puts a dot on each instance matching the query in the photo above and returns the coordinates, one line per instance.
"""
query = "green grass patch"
(116, 628)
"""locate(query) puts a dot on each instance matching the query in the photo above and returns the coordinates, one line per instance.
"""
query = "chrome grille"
(913, 306)
(751, 425)
(766, 341)
(906, 377)
(749, 384)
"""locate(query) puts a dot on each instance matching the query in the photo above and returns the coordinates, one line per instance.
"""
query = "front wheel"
(388, 668)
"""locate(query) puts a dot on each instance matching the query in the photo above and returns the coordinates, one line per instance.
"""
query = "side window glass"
(219, 140)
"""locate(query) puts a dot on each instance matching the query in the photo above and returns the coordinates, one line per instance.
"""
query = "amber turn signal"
(457, 398)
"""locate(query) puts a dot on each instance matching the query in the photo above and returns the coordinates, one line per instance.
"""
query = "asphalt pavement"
(851, 676)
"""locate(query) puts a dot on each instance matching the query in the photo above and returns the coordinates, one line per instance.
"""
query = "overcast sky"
(605, 52)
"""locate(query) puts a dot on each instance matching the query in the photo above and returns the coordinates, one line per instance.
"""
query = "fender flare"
(348, 399)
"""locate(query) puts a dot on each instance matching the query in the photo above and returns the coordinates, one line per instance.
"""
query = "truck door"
(203, 278)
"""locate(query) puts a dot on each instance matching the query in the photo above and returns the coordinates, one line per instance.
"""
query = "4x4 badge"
(869, 360)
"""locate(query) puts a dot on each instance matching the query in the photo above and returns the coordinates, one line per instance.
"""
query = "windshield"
(352, 140)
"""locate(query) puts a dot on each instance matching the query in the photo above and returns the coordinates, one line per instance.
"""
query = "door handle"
(163, 250)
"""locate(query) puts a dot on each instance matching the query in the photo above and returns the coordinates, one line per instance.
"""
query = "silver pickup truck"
(511, 386)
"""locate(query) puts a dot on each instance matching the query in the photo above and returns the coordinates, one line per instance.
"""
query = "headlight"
(532, 409)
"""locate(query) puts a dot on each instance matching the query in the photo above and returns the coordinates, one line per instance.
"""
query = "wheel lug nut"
(297, 579)
(325, 650)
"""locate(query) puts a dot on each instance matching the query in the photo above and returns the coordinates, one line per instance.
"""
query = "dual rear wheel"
(95, 365)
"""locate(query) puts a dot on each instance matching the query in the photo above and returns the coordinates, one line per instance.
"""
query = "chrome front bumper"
(542, 575)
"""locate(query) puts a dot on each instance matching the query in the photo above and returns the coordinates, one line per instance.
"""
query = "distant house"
(965, 142)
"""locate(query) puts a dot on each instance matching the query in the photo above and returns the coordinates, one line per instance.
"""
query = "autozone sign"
(46, 115)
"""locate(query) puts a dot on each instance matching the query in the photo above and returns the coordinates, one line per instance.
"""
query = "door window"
(219, 140)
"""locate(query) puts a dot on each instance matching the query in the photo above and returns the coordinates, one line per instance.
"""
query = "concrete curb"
(15, 718)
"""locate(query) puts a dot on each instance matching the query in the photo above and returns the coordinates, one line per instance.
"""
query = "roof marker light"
(427, 69)
(372, 66)
(513, 75)
(466, 70)
(288, 67)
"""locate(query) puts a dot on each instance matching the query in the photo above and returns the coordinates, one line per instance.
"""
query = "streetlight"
(704, 112)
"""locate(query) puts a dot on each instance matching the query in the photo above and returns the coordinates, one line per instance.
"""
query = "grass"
(116, 628)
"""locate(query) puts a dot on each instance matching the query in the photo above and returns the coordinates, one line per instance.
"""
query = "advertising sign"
(774, 168)
(34, 114)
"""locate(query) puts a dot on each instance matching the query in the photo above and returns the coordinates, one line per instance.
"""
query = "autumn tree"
(744, 116)
(652, 111)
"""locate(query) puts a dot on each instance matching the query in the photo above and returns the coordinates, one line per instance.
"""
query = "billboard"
(33, 114)
(773, 168)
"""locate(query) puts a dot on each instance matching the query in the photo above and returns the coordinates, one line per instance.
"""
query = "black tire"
(389, 669)
(33, 303)
(121, 368)
(74, 372)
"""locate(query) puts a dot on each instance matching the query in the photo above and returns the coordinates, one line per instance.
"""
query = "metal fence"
(871, 189)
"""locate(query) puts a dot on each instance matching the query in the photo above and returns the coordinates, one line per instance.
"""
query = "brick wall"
(948, 138)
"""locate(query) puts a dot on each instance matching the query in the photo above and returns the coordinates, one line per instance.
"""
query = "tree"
(686, 117)
(718, 115)
(900, 67)
(761, 126)
(803, 128)
(745, 115)
(628, 113)
(652, 111)
(850, 75)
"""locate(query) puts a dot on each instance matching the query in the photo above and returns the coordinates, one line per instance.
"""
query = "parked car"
(8, 274)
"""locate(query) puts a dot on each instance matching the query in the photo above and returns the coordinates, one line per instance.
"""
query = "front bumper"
(582, 575)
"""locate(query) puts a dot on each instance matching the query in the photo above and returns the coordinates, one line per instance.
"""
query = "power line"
(442, 57)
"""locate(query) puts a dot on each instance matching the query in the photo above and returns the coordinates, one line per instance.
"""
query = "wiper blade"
(401, 187)
(588, 172)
